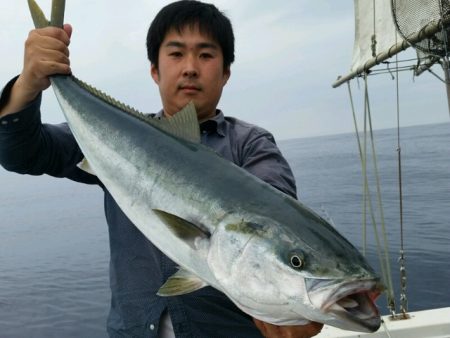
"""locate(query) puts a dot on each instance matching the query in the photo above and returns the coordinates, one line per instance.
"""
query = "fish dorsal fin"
(183, 124)
(180, 283)
(190, 233)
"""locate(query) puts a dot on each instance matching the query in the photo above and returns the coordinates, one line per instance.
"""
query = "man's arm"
(46, 53)
(26, 145)
(29, 147)
(262, 158)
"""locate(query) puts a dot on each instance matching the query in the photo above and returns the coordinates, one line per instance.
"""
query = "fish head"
(289, 277)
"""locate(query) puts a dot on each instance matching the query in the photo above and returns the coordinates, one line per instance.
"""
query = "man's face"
(190, 69)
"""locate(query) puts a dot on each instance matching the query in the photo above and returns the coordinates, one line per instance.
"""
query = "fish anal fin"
(85, 166)
(180, 283)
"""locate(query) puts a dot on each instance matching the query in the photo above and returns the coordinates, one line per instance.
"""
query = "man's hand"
(299, 331)
(46, 53)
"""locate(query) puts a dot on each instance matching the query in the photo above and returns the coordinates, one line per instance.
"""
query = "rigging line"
(401, 61)
(386, 329)
(445, 59)
(389, 70)
(362, 159)
(368, 197)
(374, 17)
(374, 36)
(385, 71)
(438, 77)
(403, 298)
(367, 200)
(366, 192)
(386, 265)
(382, 71)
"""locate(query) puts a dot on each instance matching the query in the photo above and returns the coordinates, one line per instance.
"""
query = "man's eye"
(206, 56)
(175, 54)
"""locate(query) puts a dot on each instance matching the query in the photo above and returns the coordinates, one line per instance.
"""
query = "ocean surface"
(54, 251)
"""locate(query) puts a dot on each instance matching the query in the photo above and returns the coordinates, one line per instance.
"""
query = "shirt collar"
(214, 124)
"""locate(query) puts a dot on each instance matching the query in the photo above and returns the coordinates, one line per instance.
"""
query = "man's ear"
(226, 75)
(154, 73)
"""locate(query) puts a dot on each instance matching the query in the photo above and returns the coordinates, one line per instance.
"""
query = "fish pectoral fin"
(180, 283)
(185, 230)
(85, 166)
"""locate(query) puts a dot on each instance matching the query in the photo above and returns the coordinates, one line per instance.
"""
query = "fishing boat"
(385, 31)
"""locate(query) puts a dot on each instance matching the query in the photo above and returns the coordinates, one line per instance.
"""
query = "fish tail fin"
(57, 17)
(39, 19)
(38, 16)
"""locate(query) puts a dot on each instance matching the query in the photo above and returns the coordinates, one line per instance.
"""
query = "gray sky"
(288, 54)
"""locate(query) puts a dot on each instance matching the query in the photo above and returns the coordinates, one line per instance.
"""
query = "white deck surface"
(422, 324)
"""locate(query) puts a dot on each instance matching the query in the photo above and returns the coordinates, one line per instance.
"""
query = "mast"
(446, 69)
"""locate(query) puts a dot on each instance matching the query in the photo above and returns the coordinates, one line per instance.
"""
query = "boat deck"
(421, 324)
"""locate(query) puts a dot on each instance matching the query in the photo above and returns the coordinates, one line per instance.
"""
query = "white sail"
(373, 22)
(424, 24)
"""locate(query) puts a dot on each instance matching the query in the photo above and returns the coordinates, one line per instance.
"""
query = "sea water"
(54, 251)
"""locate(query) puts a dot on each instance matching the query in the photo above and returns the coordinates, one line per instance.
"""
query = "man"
(190, 47)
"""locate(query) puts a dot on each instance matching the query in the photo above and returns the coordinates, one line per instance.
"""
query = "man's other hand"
(297, 331)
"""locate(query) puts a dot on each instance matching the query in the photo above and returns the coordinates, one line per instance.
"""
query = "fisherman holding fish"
(191, 48)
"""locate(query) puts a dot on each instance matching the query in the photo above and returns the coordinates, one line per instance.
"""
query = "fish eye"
(296, 260)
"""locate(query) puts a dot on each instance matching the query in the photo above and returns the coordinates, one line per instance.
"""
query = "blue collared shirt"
(137, 267)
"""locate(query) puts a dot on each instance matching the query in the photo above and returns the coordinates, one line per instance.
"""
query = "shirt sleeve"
(29, 147)
(263, 158)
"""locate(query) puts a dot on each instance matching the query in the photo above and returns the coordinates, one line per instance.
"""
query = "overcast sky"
(288, 53)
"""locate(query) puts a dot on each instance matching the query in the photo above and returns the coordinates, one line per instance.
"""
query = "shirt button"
(16, 120)
(152, 327)
(4, 122)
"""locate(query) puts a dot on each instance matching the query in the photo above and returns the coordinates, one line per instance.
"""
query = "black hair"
(180, 14)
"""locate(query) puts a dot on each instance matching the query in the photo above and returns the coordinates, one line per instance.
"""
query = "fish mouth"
(358, 307)
(352, 303)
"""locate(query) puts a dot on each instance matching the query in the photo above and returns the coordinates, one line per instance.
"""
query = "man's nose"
(190, 68)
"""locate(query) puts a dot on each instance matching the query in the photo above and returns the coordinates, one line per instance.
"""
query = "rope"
(445, 59)
(386, 266)
(374, 36)
(383, 265)
(367, 201)
(363, 165)
(437, 76)
(386, 329)
(401, 260)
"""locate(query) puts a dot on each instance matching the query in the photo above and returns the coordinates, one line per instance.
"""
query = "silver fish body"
(272, 256)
